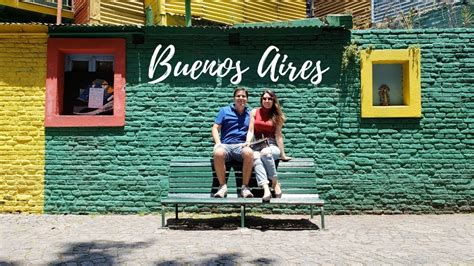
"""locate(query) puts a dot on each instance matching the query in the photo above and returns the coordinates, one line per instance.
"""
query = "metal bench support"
(163, 220)
(322, 217)
(242, 216)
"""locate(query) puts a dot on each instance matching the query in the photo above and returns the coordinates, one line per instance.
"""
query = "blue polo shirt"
(234, 126)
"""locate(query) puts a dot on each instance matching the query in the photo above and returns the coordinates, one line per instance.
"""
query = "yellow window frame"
(411, 66)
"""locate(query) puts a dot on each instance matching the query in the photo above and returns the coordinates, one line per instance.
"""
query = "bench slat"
(190, 174)
(191, 190)
(206, 199)
(192, 169)
(293, 175)
(206, 183)
(203, 177)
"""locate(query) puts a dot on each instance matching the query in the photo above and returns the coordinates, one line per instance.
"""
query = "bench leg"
(311, 211)
(322, 218)
(242, 216)
(176, 211)
(163, 220)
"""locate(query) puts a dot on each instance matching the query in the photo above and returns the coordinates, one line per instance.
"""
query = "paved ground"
(283, 239)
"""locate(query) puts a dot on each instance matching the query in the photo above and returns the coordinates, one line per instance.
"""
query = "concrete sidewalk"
(270, 239)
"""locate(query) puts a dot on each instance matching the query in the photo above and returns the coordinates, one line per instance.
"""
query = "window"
(390, 83)
(85, 83)
(88, 84)
(67, 4)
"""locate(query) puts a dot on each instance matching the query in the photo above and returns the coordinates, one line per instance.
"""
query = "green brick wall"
(371, 166)
(427, 164)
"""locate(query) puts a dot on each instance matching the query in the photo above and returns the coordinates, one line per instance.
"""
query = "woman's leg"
(261, 176)
(260, 173)
(268, 157)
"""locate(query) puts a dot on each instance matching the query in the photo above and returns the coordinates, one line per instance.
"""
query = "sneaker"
(246, 192)
(222, 192)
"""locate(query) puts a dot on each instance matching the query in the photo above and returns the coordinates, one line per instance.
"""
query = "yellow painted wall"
(22, 139)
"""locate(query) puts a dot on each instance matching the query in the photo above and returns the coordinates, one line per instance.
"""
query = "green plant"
(408, 19)
(467, 15)
(414, 50)
(349, 55)
(369, 48)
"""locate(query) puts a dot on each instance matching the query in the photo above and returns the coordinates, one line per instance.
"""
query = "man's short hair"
(241, 89)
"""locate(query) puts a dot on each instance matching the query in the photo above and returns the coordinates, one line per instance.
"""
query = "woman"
(267, 122)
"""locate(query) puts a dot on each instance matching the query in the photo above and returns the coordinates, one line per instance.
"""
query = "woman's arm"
(251, 127)
(280, 144)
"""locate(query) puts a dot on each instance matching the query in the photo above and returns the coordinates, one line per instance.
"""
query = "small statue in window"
(384, 95)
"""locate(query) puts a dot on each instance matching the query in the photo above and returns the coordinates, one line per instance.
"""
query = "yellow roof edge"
(25, 28)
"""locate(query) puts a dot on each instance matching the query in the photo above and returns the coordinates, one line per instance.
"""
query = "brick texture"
(363, 165)
(22, 87)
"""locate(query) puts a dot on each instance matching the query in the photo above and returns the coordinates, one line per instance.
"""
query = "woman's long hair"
(276, 114)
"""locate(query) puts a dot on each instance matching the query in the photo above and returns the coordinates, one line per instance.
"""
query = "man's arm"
(215, 134)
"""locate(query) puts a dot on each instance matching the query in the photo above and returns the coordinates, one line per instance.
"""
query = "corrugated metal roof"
(29, 23)
(125, 30)
(239, 11)
(92, 28)
(81, 11)
(360, 10)
(312, 22)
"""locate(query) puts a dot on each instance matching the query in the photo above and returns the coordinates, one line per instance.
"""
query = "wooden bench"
(193, 181)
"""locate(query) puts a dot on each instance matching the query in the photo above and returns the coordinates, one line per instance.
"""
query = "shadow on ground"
(96, 252)
(9, 263)
(233, 223)
(221, 259)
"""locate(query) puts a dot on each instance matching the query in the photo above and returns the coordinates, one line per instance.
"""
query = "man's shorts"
(232, 151)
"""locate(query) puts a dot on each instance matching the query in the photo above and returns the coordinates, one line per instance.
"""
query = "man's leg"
(247, 164)
(244, 155)
(219, 166)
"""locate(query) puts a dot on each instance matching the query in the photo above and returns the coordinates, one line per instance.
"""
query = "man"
(232, 123)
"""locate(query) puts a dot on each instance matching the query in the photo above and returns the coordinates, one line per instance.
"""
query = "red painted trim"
(57, 48)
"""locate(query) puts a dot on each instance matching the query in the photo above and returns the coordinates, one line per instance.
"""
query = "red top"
(263, 124)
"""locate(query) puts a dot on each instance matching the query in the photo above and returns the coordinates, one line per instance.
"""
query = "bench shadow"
(233, 223)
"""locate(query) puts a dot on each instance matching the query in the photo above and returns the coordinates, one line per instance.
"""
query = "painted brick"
(363, 165)
(22, 86)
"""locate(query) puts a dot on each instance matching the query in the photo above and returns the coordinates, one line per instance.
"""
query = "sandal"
(277, 195)
(267, 194)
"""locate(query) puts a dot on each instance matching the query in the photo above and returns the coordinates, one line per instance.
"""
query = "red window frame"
(57, 49)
